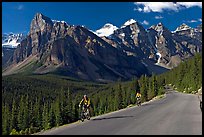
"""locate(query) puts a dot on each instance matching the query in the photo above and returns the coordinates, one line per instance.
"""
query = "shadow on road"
(111, 117)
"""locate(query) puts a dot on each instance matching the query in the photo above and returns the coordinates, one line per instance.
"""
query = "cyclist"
(85, 102)
(138, 98)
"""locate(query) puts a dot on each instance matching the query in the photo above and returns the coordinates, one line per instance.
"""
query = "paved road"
(176, 114)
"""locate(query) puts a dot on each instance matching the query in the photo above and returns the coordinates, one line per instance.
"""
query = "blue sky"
(17, 16)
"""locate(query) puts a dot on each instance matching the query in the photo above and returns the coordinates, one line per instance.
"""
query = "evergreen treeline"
(34, 103)
(187, 77)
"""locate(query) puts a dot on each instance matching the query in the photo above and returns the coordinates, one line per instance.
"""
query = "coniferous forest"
(31, 103)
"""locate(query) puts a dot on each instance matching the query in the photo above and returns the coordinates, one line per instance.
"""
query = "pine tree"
(111, 100)
(199, 70)
(195, 71)
(76, 106)
(52, 119)
(181, 75)
(132, 89)
(94, 104)
(137, 86)
(31, 116)
(63, 106)
(14, 122)
(69, 106)
(119, 97)
(58, 113)
(45, 116)
(5, 120)
(144, 88)
(150, 91)
(38, 112)
(101, 106)
(26, 113)
(106, 104)
(154, 85)
(128, 96)
(21, 114)
(124, 95)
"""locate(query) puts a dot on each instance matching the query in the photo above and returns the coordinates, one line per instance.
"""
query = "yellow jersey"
(138, 95)
(85, 101)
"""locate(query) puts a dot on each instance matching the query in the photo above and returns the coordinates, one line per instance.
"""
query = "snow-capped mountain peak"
(159, 28)
(12, 40)
(129, 22)
(106, 30)
(108, 25)
(182, 27)
(54, 21)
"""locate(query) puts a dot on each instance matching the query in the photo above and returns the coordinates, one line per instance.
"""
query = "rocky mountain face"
(6, 54)
(71, 50)
(105, 55)
(131, 39)
(158, 44)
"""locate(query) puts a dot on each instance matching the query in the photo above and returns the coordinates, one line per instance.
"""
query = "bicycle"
(85, 114)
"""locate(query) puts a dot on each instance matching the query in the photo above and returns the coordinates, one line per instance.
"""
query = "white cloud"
(158, 17)
(138, 9)
(161, 6)
(190, 4)
(157, 6)
(145, 22)
(20, 7)
(194, 20)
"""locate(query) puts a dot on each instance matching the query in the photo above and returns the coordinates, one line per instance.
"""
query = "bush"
(14, 132)
(22, 132)
(33, 130)
(161, 91)
(26, 131)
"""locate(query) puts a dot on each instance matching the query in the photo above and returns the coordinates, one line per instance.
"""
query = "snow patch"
(158, 61)
(122, 34)
(54, 21)
(11, 40)
(182, 28)
(106, 30)
(129, 22)
(159, 28)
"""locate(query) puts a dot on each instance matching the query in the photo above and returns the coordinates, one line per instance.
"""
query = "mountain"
(9, 43)
(6, 54)
(157, 45)
(129, 22)
(182, 27)
(65, 49)
(132, 39)
(195, 33)
(12, 40)
(108, 54)
(164, 44)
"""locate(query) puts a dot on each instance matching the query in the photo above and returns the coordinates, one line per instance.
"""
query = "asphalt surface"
(175, 114)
